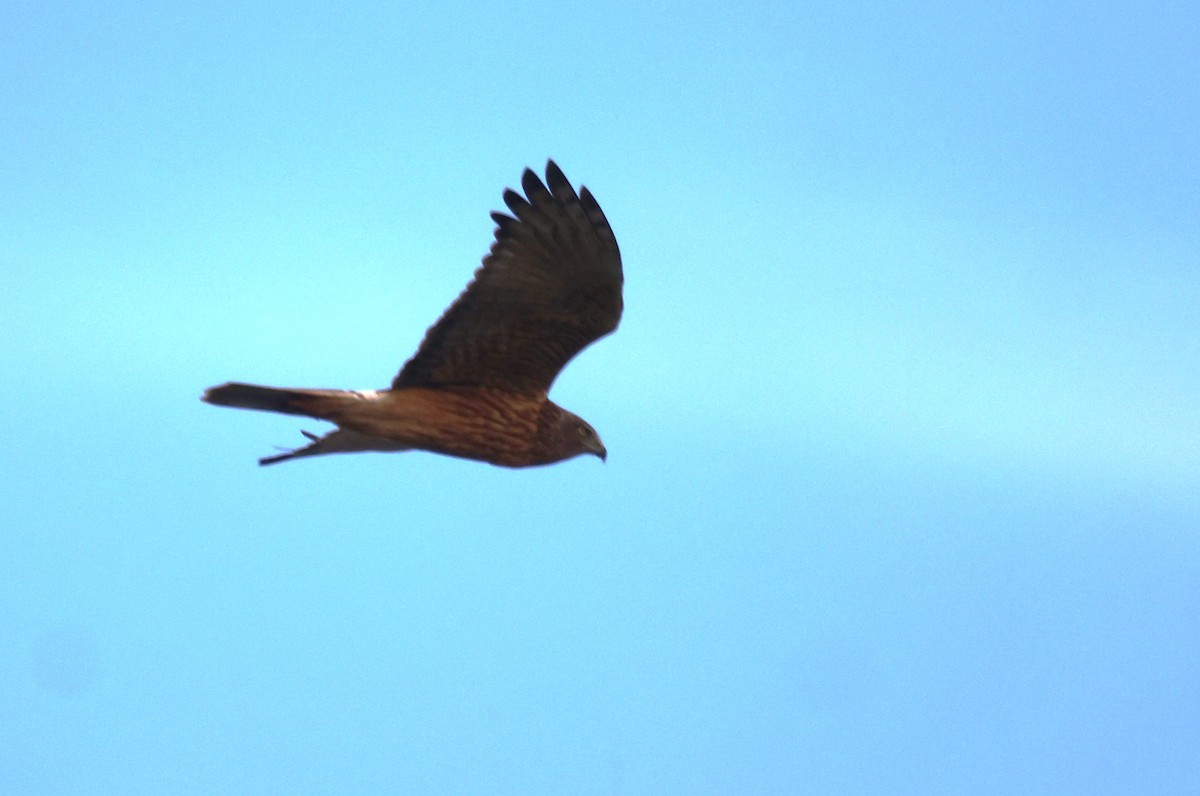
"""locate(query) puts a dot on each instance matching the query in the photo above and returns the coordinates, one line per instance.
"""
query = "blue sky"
(902, 419)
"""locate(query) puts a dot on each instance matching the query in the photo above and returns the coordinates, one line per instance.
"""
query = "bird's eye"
(583, 432)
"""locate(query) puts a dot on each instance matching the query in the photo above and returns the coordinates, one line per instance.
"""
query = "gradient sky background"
(902, 417)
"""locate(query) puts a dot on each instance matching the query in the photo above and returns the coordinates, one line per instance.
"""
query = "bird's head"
(573, 436)
(589, 440)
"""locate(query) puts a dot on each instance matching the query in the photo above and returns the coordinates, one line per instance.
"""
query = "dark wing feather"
(550, 286)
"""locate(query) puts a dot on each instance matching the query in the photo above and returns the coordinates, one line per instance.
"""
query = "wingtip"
(559, 185)
(516, 203)
(531, 183)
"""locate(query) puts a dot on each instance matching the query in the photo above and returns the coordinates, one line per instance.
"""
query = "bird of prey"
(477, 386)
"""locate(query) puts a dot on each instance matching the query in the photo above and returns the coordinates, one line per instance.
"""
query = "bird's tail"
(332, 405)
(288, 401)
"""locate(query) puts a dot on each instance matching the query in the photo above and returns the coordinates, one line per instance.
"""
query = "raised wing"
(550, 285)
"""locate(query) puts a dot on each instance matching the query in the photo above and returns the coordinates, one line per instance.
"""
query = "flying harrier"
(477, 386)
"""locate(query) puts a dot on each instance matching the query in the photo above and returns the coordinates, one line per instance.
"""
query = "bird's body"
(477, 387)
(503, 428)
